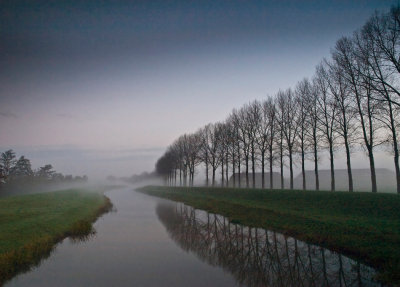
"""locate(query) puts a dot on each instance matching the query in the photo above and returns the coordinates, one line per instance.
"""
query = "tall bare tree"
(288, 121)
(280, 118)
(211, 142)
(243, 128)
(263, 124)
(379, 48)
(303, 96)
(269, 110)
(254, 115)
(346, 117)
(235, 121)
(327, 113)
(313, 131)
(345, 54)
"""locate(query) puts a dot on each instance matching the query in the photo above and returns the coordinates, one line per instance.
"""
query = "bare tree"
(204, 150)
(235, 121)
(193, 150)
(280, 118)
(345, 55)
(382, 32)
(327, 112)
(243, 126)
(213, 145)
(254, 117)
(303, 95)
(223, 151)
(263, 124)
(288, 121)
(164, 166)
(269, 111)
(346, 116)
(233, 150)
(380, 47)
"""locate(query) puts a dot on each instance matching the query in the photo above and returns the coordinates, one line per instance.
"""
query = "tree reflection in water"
(258, 257)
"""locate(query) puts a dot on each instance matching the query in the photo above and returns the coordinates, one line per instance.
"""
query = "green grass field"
(364, 226)
(30, 225)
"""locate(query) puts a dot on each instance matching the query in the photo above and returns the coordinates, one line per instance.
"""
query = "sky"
(103, 87)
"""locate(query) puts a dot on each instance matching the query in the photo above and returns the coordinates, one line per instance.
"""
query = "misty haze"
(199, 143)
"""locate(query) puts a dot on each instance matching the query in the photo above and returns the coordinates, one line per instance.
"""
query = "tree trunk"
(222, 173)
(247, 171)
(271, 177)
(239, 171)
(184, 176)
(303, 170)
(253, 165)
(349, 173)
(396, 164)
(372, 167)
(227, 170)
(332, 166)
(213, 176)
(282, 179)
(262, 169)
(233, 168)
(395, 148)
(316, 164)
(207, 179)
(291, 167)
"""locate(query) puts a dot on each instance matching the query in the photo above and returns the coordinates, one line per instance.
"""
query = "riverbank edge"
(388, 269)
(23, 259)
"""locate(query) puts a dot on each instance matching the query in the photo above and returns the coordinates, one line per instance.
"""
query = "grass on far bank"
(31, 225)
(365, 226)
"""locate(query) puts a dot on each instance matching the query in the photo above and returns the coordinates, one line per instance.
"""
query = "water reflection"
(257, 257)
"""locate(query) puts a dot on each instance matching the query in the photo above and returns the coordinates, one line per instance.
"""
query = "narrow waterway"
(149, 241)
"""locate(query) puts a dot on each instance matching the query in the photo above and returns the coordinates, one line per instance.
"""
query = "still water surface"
(154, 242)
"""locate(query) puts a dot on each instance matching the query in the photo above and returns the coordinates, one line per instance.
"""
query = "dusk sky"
(103, 87)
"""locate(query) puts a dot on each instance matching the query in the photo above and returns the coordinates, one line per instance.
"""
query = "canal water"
(149, 241)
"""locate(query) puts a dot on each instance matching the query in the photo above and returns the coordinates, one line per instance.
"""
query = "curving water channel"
(149, 241)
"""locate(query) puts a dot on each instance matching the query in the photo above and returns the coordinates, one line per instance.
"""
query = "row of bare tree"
(352, 100)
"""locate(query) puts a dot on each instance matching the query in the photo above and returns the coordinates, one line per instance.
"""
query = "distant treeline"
(15, 170)
(352, 100)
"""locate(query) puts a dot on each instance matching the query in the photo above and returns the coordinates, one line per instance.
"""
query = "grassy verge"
(31, 225)
(364, 226)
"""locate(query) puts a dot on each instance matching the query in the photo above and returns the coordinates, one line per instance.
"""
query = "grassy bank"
(31, 225)
(365, 226)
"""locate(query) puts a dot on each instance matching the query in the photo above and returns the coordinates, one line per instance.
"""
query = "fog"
(97, 164)
(94, 162)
